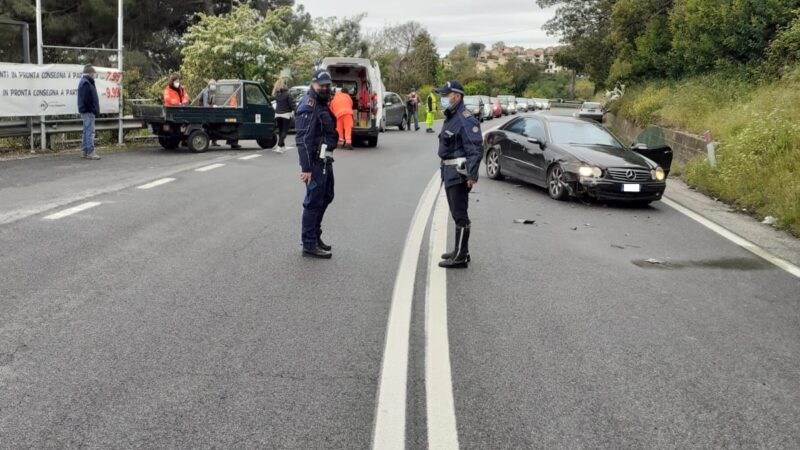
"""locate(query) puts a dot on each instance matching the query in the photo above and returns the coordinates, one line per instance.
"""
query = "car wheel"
(402, 125)
(169, 142)
(198, 141)
(556, 186)
(493, 165)
(269, 142)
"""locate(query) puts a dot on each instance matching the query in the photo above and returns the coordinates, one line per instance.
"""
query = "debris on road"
(769, 220)
(525, 221)
(574, 228)
(654, 261)
(621, 247)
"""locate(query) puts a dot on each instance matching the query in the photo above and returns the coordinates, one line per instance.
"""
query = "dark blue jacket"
(314, 125)
(88, 102)
(460, 138)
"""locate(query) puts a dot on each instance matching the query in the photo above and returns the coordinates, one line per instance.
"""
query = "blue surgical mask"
(445, 102)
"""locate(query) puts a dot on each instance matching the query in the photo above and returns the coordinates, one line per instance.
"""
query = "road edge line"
(733, 237)
(389, 430)
(440, 403)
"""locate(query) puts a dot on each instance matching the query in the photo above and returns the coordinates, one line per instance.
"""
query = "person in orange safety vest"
(174, 92)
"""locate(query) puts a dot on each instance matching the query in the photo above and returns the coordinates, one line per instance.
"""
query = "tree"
(244, 44)
(585, 26)
(499, 45)
(476, 48)
(462, 65)
(339, 37)
(423, 60)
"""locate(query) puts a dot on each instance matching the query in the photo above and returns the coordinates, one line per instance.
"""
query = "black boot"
(460, 260)
(449, 255)
(317, 253)
(323, 245)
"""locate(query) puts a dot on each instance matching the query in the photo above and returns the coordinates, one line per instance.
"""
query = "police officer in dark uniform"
(460, 148)
(316, 138)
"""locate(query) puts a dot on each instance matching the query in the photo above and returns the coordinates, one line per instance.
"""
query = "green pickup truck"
(240, 110)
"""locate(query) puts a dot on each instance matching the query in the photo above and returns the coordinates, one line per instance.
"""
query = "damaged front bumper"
(604, 189)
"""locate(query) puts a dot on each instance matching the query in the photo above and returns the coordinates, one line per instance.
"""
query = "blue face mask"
(445, 102)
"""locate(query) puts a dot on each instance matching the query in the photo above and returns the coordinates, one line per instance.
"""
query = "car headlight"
(658, 174)
(590, 171)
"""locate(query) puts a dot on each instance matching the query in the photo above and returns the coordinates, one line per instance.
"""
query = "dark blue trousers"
(319, 194)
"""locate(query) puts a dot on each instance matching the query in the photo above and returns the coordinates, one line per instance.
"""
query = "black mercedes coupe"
(574, 157)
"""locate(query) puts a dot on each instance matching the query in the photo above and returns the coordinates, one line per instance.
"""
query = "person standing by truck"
(316, 139)
(174, 92)
(342, 109)
(208, 96)
(284, 108)
(89, 107)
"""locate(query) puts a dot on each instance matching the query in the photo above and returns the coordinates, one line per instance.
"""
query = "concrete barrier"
(685, 146)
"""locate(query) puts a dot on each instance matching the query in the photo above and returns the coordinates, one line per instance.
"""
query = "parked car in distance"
(512, 103)
(590, 111)
(573, 157)
(488, 114)
(497, 107)
(522, 105)
(504, 105)
(475, 105)
(394, 110)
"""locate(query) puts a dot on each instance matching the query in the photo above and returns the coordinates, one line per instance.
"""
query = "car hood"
(603, 157)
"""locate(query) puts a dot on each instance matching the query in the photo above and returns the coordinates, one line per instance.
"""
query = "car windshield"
(591, 106)
(577, 133)
(471, 101)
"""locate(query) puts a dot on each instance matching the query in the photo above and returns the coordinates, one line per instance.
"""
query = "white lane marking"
(156, 183)
(207, 168)
(73, 210)
(253, 156)
(390, 413)
(735, 238)
(441, 411)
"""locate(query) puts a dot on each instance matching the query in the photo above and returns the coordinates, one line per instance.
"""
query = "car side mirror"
(537, 141)
(640, 147)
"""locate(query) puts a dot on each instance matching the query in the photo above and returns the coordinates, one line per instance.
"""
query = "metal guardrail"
(20, 128)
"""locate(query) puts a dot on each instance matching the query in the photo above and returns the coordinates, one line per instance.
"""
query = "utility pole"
(40, 61)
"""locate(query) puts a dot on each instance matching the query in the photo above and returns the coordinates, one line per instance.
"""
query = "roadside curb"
(776, 246)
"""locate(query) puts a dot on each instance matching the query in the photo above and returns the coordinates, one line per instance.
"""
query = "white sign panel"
(50, 90)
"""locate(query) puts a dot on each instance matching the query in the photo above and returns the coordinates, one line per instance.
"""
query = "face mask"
(445, 102)
(176, 84)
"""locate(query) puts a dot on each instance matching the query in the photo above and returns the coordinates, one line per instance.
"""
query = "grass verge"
(758, 158)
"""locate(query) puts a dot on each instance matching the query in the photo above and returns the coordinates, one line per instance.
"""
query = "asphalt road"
(183, 315)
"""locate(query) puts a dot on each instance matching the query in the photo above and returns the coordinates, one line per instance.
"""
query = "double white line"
(390, 416)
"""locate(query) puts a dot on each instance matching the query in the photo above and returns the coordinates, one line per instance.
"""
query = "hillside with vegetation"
(728, 66)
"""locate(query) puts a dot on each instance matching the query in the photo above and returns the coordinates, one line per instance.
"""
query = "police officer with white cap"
(460, 149)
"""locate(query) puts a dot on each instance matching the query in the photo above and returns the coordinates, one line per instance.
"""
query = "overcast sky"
(515, 22)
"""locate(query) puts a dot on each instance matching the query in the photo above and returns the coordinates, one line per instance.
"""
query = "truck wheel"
(198, 141)
(269, 142)
(169, 142)
(372, 142)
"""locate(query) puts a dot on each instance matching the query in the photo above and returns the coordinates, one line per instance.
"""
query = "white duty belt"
(454, 161)
(460, 163)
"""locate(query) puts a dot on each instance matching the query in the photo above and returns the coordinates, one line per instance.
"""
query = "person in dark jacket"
(89, 108)
(460, 149)
(316, 139)
(284, 109)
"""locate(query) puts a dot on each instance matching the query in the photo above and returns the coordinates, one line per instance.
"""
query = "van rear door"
(377, 88)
